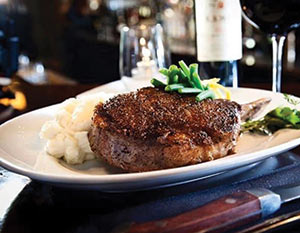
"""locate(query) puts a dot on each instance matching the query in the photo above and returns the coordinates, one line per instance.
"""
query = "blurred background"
(78, 40)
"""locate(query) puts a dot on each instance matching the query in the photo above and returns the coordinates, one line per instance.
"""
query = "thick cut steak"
(152, 129)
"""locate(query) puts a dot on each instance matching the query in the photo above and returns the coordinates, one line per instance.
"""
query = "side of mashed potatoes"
(66, 134)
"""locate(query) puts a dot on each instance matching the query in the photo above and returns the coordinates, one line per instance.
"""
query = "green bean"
(157, 83)
(174, 87)
(189, 90)
(196, 80)
(173, 72)
(193, 68)
(185, 79)
(184, 68)
(164, 72)
(182, 77)
(182, 74)
(173, 67)
(205, 94)
(175, 79)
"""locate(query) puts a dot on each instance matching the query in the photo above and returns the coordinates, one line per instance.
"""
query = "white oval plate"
(21, 151)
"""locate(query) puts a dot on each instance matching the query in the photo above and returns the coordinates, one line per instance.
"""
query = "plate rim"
(95, 178)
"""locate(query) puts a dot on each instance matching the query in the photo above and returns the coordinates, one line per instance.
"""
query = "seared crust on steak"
(152, 129)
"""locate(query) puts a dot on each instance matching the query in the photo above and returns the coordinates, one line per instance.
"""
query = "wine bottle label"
(219, 30)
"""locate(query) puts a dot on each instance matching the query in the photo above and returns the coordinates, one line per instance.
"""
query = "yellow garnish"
(219, 90)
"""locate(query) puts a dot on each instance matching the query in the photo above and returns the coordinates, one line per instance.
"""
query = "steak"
(152, 129)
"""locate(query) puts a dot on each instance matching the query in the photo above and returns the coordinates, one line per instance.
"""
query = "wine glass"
(276, 18)
(143, 51)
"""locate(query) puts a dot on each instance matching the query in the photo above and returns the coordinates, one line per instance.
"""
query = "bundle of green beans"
(185, 80)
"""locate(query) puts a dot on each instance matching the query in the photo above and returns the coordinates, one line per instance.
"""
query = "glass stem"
(277, 46)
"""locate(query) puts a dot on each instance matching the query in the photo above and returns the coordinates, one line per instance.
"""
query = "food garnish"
(290, 99)
(279, 118)
(186, 80)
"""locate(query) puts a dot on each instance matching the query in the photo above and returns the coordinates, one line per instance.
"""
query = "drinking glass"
(143, 51)
(276, 18)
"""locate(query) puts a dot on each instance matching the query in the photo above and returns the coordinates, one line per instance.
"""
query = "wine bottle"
(219, 39)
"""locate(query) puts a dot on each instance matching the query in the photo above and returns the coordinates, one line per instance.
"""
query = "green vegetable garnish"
(290, 99)
(205, 94)
(196, 79)
(287, 114)
(164, 71)
(193, 71)
(155, 82)
(279, 118)
(189, 90)
(184, 80)
(184, 68)
(172, 77)
(174, 87)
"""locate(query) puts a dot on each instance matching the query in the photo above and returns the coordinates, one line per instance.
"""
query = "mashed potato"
(66, 135)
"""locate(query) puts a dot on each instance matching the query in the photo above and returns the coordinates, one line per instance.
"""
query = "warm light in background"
(250, 43)
(94, 4)
(142, 41)
(18, 103)
(250, 60)
(144, 11)
(3, 1)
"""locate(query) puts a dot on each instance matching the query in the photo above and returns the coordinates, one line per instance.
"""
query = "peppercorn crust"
(152, 129)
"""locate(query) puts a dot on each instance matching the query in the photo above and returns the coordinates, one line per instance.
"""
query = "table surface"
(30, 206)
